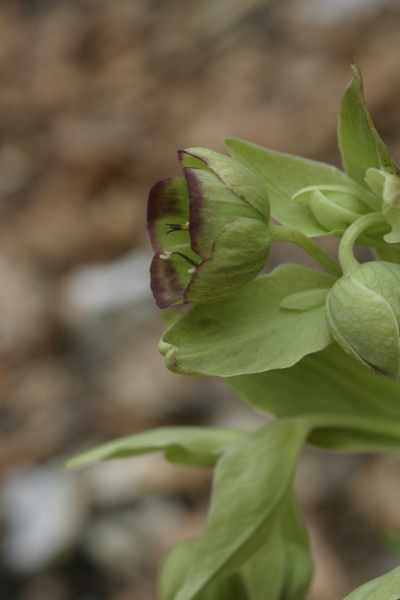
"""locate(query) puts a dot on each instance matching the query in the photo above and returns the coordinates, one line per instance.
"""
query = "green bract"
(387, 186)
(209, 229)
(335, 207)
(363, 311)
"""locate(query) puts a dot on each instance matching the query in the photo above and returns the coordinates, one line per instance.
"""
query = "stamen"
(192, 270)
(165, 255)
(177, 227)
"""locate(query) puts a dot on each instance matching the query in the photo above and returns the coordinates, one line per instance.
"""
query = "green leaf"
(386, 587)
(282, 569)
(181, 445)
(263, 575)
(307, 300)
(251, 481)
(250, 332)
(283, 176)
(365, 408)
(176, 567)
(360, 144)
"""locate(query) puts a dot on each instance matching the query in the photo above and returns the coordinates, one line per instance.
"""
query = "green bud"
(363, 311)
(387, 186)
(335, 207)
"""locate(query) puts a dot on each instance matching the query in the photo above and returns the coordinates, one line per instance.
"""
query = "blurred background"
(96, 96)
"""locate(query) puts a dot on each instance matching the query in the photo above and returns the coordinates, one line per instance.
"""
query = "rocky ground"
(96, 97)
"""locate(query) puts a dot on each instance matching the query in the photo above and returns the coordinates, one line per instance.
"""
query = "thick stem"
(287, 234)
(347, 259)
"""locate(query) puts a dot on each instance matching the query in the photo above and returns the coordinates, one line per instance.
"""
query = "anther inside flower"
(218, 215)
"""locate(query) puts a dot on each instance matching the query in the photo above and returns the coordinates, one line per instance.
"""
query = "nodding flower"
(218, 216)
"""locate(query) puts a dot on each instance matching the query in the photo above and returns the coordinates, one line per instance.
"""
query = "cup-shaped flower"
(209, 230)
(363, 311)
(335, 207)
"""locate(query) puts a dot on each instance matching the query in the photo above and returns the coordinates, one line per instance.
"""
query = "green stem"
(347, 259)
(280, 233)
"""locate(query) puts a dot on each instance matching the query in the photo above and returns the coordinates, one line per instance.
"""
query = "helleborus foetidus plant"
(318, 351)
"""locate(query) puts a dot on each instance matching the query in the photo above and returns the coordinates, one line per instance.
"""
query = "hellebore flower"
(363, 311)
(209, 229)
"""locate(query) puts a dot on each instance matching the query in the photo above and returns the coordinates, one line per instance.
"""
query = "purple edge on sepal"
(161, 203)
(162, 271)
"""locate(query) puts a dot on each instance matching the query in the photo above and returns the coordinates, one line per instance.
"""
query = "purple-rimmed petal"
(168, 203)
(170, 275)
(238, 178)
(212, 206)
(232, 266)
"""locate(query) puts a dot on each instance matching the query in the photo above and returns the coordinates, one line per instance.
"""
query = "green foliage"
(386, 587)
(181, 445)
(252, 331)
(360, 144)
(283, 176)
(271, 338)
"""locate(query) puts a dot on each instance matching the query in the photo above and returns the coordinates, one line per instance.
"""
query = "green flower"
(209, 229)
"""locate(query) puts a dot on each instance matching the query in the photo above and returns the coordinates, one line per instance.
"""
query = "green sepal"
(239, 179)
(363, 323)
(250, 332)
(194, 446)
(386, 587)
(168, 203)
(232, 264)
(212, 206)
(360, 144)
(283, 175)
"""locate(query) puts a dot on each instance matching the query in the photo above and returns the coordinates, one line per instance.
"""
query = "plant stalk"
(280, 233)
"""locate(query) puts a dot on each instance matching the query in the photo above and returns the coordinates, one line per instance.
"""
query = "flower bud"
(387, 186)
(363, 311)
(209, 229)
(335, 207)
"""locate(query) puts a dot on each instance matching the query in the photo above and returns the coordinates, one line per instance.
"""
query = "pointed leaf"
(360, 144)
(283, 176)
(251, 480)
(386, 587)
(282, 569)
(182, 445)
(176, 567)
(250, 332)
